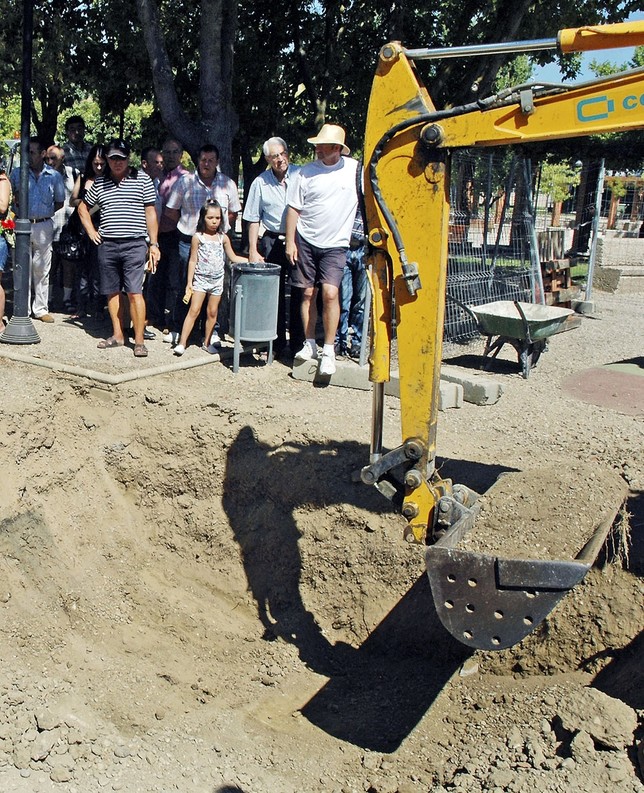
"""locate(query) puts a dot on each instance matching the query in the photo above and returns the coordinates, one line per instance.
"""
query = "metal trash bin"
(254, 300)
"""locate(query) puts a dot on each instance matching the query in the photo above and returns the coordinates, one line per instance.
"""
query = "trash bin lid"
(257, 268)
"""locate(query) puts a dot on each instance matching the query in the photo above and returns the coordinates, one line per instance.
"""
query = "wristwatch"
(154, 244)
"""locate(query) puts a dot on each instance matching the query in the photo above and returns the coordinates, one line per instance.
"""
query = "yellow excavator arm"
(407, 164)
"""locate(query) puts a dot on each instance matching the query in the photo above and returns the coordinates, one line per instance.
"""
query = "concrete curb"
(477, 389)
(104, 377)
(455, 388)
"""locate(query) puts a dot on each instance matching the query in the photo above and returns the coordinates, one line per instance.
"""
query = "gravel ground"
(197, 597)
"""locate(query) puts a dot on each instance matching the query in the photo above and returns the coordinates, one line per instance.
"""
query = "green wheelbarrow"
(525, 326)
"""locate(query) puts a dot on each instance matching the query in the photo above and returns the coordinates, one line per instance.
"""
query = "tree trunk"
(218, 121)
(318, 102)
(46, 124)
(612, 212)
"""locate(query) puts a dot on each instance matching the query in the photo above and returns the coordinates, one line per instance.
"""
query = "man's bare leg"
(113, 309)
(330, 312)
(309, 311)
(137, 315)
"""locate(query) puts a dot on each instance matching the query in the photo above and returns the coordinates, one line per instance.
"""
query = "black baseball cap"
(118, 147)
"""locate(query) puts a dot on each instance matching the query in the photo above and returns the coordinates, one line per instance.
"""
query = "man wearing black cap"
(126, 198)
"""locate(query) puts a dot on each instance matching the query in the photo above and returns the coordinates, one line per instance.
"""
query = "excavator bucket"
(490, 602)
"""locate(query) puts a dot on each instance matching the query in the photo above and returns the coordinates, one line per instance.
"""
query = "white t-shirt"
(326, 198)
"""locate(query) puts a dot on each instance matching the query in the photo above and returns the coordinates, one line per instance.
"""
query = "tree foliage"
(235, 72)
(558, 178)
(604, 68)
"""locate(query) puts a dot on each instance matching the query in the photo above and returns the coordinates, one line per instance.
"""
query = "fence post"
(535, 262)
(595, 231)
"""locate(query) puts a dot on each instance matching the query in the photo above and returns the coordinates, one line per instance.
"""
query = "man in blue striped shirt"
(46, 196)
(127, 201)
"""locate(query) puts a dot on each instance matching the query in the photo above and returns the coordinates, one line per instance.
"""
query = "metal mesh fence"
(492, 240)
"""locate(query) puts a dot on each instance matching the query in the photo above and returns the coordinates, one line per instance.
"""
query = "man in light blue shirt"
(46, 196)
(266, 205)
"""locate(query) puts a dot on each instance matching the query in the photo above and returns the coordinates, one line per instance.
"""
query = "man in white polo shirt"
(188, 195)
(127, 199)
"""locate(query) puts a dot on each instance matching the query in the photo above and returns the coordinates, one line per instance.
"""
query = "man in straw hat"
(322, 201)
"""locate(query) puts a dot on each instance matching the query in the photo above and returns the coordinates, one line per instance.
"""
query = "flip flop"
(140, 351)
(108, 344)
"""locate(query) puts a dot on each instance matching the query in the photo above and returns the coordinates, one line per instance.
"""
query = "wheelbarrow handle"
(526, 327)
(465, 308)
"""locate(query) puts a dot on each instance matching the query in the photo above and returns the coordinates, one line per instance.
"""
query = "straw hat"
(331, 133)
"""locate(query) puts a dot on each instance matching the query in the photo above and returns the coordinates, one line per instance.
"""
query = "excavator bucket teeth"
(489, 603)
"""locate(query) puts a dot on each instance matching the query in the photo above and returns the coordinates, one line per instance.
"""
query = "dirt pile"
(540, 514)
(196, 596)
(560, 743)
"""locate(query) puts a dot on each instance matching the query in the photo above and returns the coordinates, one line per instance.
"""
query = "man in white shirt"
(186, 199)
(322, 202)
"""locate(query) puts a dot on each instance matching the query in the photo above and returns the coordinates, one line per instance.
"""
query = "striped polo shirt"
(122, 205)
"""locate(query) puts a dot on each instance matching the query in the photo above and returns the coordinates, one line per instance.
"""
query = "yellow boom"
(407, 154)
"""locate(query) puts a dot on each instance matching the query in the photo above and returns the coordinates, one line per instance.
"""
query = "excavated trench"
(159, 563)
(289, 516)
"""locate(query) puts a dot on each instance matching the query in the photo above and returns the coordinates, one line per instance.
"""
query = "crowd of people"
(150, 244)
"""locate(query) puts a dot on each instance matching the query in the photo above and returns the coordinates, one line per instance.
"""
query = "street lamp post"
(20, 329)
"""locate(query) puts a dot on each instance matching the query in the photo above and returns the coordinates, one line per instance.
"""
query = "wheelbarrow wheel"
(529, 356)
(525, 359)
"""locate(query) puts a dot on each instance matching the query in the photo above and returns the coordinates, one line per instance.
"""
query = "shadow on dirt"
(623, 676)
(392, 679)
(97, 327)
(476, 476)
(228, 789)
(487, 365)
(639, 361)
(378, 692)
(262, 488)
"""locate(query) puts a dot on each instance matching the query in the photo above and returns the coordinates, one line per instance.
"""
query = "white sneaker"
(215, 341)
(307, 353)
(212, 349)
(171, 337)
(179, 349)
(327, 364)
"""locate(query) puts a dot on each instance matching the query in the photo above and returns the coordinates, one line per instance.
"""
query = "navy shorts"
(317, 266)
(121, 264)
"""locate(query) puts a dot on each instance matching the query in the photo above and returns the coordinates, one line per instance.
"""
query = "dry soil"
(196, 596)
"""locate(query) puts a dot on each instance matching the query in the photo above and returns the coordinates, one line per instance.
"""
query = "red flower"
(8, 224)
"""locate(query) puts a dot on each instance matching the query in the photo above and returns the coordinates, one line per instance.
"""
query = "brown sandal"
(140, 351)
(108, 344)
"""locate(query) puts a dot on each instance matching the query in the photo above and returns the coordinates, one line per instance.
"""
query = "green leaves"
(255, 68)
